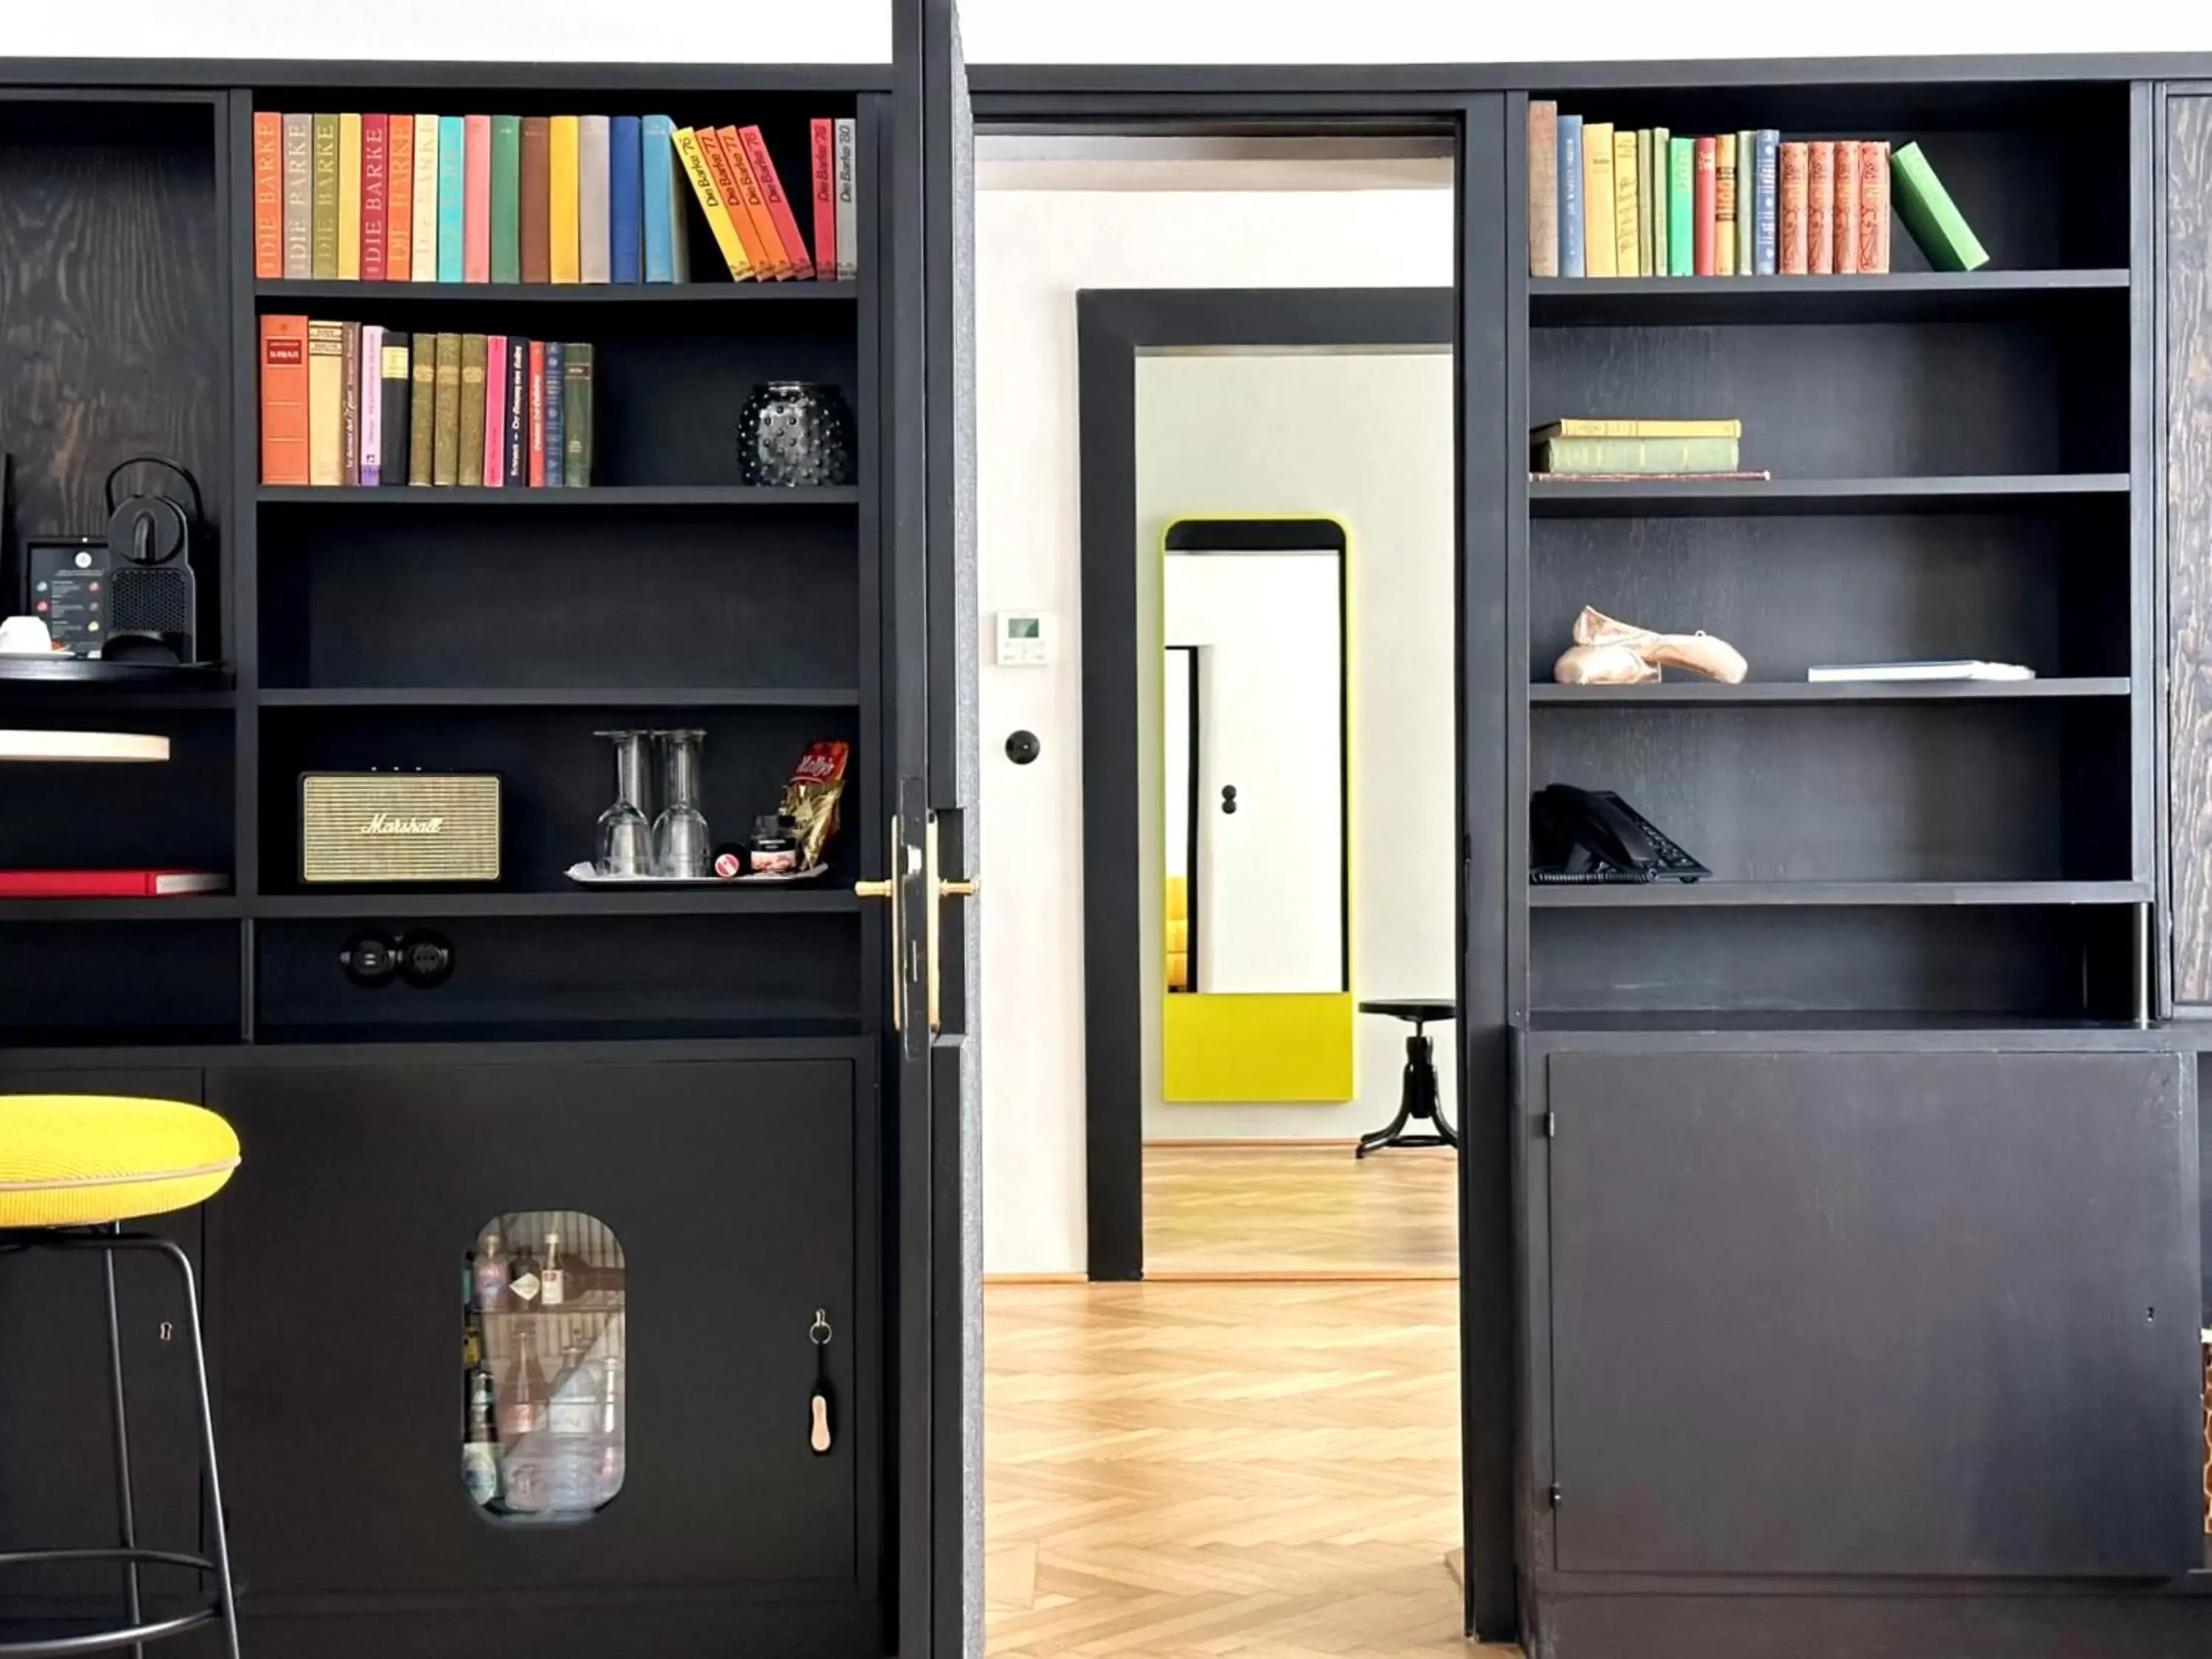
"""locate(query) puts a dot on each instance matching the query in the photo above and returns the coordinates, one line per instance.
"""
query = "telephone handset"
(1588, 835)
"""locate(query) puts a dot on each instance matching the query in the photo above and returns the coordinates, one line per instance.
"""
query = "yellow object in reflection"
(1178, 933)
(1264, 1046)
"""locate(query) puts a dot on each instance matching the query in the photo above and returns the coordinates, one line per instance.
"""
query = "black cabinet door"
(56, 1445)
(1856, 1313)
(731, 1187)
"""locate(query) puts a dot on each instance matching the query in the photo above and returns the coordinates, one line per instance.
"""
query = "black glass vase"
(795, 433)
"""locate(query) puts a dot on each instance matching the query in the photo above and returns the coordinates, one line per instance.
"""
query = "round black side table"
(1418, 1099)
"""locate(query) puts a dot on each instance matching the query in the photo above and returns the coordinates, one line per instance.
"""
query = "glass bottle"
(525, 1409)
(608, 1436)
(524, 1286)
(552, 1277)
(489, 1271)
(681, 845)
(480, 1442)
(571, 1424)
(625, 842)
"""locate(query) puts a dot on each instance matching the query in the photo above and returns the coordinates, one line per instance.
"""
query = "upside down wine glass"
(625, 844)
(681, 847)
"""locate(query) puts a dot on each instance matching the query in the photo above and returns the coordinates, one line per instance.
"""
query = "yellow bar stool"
(73, 1170)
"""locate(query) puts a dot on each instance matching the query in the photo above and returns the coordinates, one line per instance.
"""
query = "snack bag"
(810, 799)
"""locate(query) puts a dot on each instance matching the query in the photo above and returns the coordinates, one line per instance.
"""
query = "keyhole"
(168, 1331)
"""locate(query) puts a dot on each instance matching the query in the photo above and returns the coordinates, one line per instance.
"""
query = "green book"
(576, 415)
(1660, 204)
(323, 213)
(1681, 204)
(506, 198)
(1571, 456)
(1747, 193)
(1643, 220)
(446, 423)
(1930, 215)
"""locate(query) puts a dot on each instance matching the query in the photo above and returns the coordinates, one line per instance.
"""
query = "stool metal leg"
(129, 1521)
(1417, 1098)
(226, 1593)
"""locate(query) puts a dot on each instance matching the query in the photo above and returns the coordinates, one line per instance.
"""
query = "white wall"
(1034, 251)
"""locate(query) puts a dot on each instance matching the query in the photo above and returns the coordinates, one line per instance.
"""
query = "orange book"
(761, 256)
(284, 400)
(1845, 221)
(781, 220)
(732, 146)
(400, 198)
(1821, 207)
(1795, 241)
(1873, 206)
(268, 194)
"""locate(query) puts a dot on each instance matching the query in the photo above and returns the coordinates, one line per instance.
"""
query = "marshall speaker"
(398, 826)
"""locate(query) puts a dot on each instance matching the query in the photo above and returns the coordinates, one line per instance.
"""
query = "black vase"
(794, 433)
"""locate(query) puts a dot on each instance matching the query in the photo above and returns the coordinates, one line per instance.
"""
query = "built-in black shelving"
(276, 293)
(563, 697)
(1662, 497)
(419, 498)
(1663, 894)
(1892, 297)
(1709, 693)
(822, 899)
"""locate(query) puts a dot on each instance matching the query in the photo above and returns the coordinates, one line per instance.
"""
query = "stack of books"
(540, 198)
(352, 403)
(1612, 451)
(1621, 201)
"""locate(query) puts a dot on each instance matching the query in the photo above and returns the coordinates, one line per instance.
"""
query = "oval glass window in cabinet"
(545, 1382)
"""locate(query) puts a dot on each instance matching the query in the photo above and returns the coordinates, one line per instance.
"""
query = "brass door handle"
(933, 931)
(889, 888)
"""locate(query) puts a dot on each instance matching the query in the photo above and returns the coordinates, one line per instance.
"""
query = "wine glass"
(625, 843)
(681, 847)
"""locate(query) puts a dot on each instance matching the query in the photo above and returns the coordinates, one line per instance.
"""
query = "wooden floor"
(1298, 1212)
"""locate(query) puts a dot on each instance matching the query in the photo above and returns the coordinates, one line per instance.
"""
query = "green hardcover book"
(1747, 188)
(506, 198)
(1570, 456)
(1657, 171)
(469, 468)
(576, 415)
(1681, 204)
(323, 213)
(446, 428)
(422, 409)
(1930, 215)
(1643, 201)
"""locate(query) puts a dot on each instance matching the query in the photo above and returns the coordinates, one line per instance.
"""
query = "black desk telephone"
(1579, 836)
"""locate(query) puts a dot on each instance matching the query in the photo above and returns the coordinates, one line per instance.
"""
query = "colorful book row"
(540, 198)
(352, 403)
(1642, 202)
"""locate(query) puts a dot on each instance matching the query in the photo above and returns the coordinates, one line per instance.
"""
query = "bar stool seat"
(73, 1169)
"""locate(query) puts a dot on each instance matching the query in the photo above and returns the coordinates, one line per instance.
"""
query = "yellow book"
(1600, 250)
(1725, 201)
(1626, 216)
(349, 197)
(1594, 426)
(711, 204)
(562, 219)
(325, 403)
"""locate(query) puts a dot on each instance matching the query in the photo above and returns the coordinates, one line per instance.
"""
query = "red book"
(375, 198)
(824, 133)
(476, 199)
(778, 206)
(284, 400)
(1701, 240)
(495, 448)
(268, 193)
(536, 414)
(108, 883)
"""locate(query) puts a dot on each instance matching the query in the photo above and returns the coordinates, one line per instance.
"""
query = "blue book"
(1766, 183)
(625, 230)
(1570, 196)
(452, 174)
(657, 187)
(555, 440)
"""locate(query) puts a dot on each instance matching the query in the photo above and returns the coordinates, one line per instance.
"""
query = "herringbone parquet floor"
(1298, 1212)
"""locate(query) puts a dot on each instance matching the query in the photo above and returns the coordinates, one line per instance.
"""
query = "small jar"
(775, 845)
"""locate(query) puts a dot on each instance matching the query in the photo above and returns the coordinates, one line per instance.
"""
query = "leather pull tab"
(819, 1438)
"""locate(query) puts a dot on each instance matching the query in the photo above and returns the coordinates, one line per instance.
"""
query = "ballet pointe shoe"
(1603, 665)
(1699, 653)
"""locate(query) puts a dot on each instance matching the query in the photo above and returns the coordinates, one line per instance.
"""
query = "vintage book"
(424, 262)
(1765, 229)
(422, 407)
(284, 426)
(476, 199)
(725, 159)
(1543, 189)
(1600, 250)
(557, 437)
(821, 134)
(514, 465)
(1964, 668)
(350, 196)
(1646, 242)
(400, 198)
(375, 195)
(1624, 203)
(446, 419)
(325, 403)
(371, 394)
(1681, 206)
(468, 455)
(300, 197)
(1844, 221)
(1570, 196)
(453, 197)
(595, 242)
(782, 221)
(848, 199)
(1655, 172)
(1873, 207)
(492, 471)
(625, 200)
(325, 232)
(576, 415)
(537, 400)
(349, 405)
(268, 195)
(394, 376)
(109, 883)
(504, 257)
(1821, 207)
(661, 182)
(1930, 217)
(1635, 456)
(1738, 475)
(533, 211)
(1790, 254)
(562, 249)
(692, 153)
(1746, 203)
(1587, 426)
(1724, 205)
